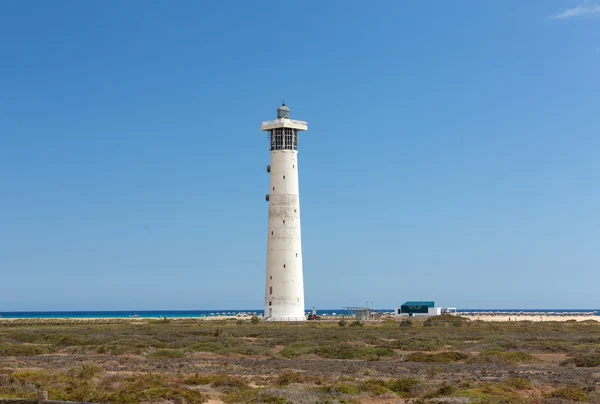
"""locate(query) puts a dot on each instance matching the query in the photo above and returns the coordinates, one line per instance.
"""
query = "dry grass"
(442, 360)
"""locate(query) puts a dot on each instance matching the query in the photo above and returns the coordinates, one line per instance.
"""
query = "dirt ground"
(374, 363)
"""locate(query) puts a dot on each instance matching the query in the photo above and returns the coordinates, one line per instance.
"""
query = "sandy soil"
(533, 318)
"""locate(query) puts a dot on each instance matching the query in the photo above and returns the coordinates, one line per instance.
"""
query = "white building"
(284, 291)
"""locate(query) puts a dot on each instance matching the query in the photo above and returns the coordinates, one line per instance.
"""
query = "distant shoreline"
(330, 318)
(172, 314)
(505, 318)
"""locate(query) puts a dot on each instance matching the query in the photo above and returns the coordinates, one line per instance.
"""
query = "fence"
(43, 399)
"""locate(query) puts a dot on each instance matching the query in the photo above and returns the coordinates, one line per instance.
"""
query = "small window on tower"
(271, 233)
(273, 188)
(296, 254)
(283, 221)
(270, 290)
(270, 303)
(284, 177)
(294, 210)
(293, 166)
(284, 265)
(270, 277)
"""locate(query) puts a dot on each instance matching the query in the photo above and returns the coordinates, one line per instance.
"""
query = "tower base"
(284, 319)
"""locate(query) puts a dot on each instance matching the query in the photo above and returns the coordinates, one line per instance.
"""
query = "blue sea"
(213, 313)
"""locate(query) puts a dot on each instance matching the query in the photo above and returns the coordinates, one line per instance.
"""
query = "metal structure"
(284, 290)
(360, 313)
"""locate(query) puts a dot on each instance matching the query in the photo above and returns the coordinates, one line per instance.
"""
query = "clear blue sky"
(452, 151)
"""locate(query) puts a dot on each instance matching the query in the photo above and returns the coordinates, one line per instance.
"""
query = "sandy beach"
(502, 318)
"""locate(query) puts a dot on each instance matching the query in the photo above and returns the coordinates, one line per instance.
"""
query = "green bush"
(255, 320)
(374, 387)
(23, 350)
(158, 322)
(340, 388)
(347, 351)
(356, 323)
(410, 343)
(336, 351)
(222, 382)
(166, 353)
(297, 378)
(518, 383)
(491, 393)
(442, 357)
(584, 360)
(445, 389)
(570, 393)
(252, 396)
(296, 350)
(86, 371)
(342, 323)
(83, 384)
(407, 385)
(502, 358)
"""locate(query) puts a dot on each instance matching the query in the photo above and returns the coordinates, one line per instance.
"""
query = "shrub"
(431, 371)
(166, 353)
(570, 393)
(405, 323)
(407, 343)
(254, 396)
(296, 350)
(255, 320)
(442, 357)
(518, 383)
(347, 351)
(290, 378)
(406, 385)
(168, 393)
(356, 323)
(445, 389)
(491, 393)
(502, 358)
(86, 371)
(342, 323)
(161, 321)
(374, 387)
(23, 350)
(586, 360)
(343, 388)
(336, 351)
(228, 381)
(217, 381)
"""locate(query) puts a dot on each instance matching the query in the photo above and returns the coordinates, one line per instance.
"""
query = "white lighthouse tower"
(284, 291)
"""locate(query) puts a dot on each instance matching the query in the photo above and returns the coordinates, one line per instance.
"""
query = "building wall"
(434, 311)
(284, 284)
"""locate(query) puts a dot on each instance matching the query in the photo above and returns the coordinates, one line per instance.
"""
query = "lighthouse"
(284, 289)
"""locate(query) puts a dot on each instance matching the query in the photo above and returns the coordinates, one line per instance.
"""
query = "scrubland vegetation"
(441, 360)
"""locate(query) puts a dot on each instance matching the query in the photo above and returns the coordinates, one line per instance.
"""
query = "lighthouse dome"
(283, 111)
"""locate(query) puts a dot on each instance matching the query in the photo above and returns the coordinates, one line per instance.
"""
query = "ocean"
(213, 313)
